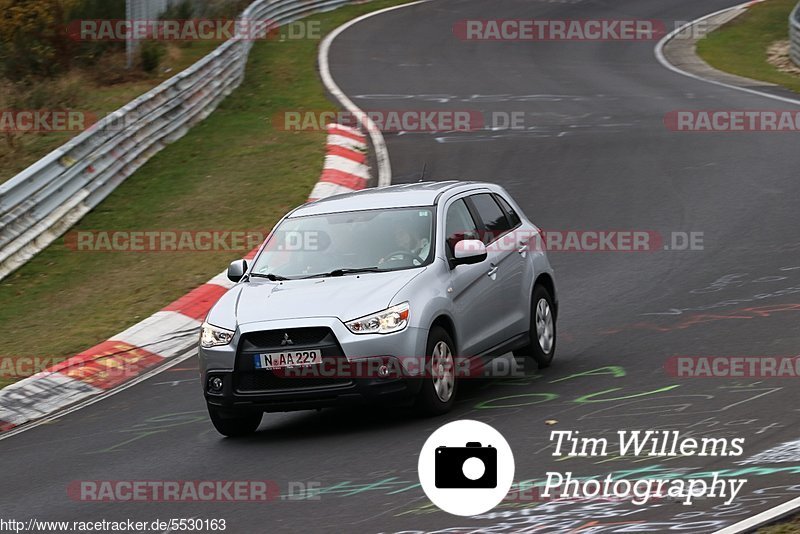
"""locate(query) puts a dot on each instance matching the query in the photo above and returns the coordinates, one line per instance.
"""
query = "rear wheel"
(542, 346)
(438, 391)
(236, 426)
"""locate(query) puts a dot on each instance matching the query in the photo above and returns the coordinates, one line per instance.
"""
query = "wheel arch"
(446, 322)
(546, 281)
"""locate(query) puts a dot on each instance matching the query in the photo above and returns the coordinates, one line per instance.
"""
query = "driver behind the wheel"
(407, 248)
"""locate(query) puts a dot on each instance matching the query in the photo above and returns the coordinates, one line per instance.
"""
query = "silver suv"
(385, 294)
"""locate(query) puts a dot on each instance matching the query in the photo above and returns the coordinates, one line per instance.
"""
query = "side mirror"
(469, 252)
(236, 271)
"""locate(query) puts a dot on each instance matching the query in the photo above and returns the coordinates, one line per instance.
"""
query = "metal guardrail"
(45, 200)
(794, 35)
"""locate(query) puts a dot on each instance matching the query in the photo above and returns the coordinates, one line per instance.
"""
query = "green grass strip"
(740, 47)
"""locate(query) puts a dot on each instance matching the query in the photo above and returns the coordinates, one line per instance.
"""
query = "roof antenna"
(424, 169)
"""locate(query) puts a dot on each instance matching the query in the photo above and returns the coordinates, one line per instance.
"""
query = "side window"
(494, 220)
(513, 218)
(459, 225)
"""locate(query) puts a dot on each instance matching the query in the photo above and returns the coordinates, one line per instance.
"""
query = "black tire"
(534, 350)
(428, 401)
(236, 426)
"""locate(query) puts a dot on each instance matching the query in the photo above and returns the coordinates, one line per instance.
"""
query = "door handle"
(493, 272)
(523, 249)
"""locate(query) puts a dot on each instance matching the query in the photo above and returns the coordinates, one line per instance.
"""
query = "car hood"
(346, 297)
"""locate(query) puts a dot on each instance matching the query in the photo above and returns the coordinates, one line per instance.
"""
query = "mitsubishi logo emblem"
(286, 340)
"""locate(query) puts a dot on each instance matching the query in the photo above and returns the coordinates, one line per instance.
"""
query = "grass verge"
(790, 526)
(740, 47)
(234, 171)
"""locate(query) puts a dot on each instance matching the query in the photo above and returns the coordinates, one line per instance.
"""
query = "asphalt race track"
(596, 156)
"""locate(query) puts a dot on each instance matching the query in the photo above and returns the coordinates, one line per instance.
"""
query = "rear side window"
(459, 225)
(494, 220)
(513, 218)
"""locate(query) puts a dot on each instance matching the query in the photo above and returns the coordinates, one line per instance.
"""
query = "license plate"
(294, 358)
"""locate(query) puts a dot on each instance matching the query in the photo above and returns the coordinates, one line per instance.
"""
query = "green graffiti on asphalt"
(152, 426)
(530, 399)
(585, 398)
(492, 403)
(613, 370)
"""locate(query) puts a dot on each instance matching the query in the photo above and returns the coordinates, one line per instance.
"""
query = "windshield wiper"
(271, 277)
(343, 272)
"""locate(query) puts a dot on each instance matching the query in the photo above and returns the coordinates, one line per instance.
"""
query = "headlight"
(391, 320)
(213, 336)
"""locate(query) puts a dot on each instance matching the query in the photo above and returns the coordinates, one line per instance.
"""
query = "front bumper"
(349, 364)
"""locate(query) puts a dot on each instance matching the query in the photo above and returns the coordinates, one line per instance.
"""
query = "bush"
(151, 54)
(33, 40)
(229, 9)
(89, 53)
(181, 11)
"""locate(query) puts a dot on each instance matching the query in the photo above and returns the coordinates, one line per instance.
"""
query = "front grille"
(275, 339)
(249, 379)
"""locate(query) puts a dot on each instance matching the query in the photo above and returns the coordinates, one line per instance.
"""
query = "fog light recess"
(215, 384)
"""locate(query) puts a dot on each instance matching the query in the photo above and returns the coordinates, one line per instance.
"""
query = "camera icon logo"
(472, 466)
(461, 475)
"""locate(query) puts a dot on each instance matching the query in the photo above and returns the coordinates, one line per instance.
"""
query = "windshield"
(340, 243)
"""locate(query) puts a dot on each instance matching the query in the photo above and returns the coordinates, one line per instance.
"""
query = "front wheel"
(542, 346)
(237, 426)
(438, 391)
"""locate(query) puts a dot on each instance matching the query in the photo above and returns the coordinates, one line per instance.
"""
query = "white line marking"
(378, 142)
(767, 516)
